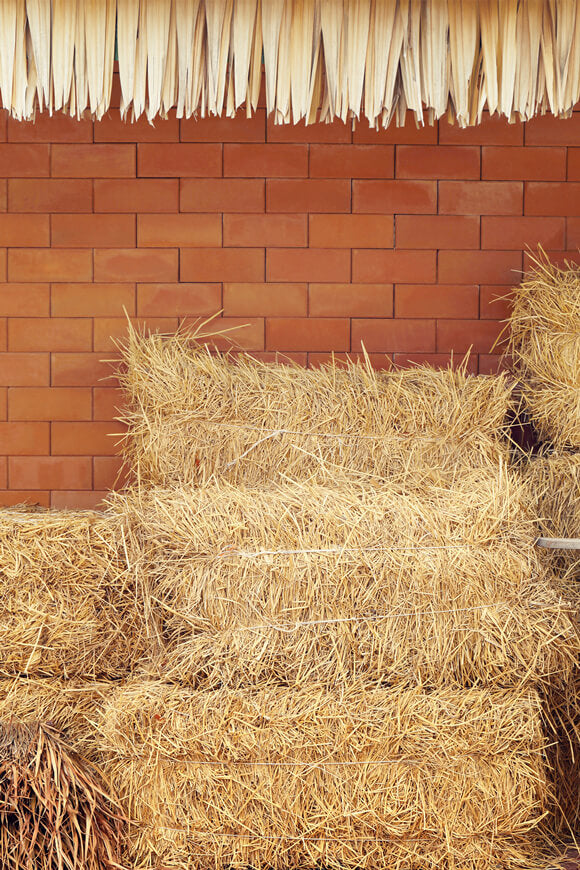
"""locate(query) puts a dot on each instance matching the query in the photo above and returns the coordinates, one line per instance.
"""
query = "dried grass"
(195, 415)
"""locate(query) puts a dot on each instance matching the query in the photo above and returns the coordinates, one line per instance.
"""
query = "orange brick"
(552, 199)
(50, 128)
(92, 230)
(408, 134)
(219, 264)
(109, 330)
(268, 230)
(137, 195)
(49, 403)
(548, 130)
(436, 360)
(351, 231)
(79, 500)
(92, 300)
(24, 370)
(32, 264)
(352, 161)
(379, 361)
(22, 300)
(3, 334)
(136, 265)
(397, 197)
(493, 130)
(3, 195)
(24, 161)
(426, 231)
(509, 233)
(3, 265)
(108, 403)
(3, 125)
(493, 304)
(50, 472)
(49, 333)
(436, 300)
(179, 230)
(159, 300)
(388, 336)
(307, 333)
(307, 195)
(24, 230)
(3, 403)
(183, 160)
(11, 497)
(480, 267)
(275, 356)
(437, 161)
(111, 128)
(242, 333)
(351, 300)
(481, 197)
(212, 129)
(79, 369)
(222, 195)
(261, 161)
(84, 439)
(301, 132)
(25, 439)
(93, 161)
(320, 265)
(544, 164)
(461, 335)
(393, 267)
(49, 195)
(267, 300)
(109, 472)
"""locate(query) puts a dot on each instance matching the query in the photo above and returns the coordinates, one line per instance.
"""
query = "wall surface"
(319, 239)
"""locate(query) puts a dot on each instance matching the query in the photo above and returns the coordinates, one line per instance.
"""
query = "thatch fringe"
(322, 59)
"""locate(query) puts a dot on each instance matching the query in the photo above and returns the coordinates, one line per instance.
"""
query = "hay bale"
(193, 414)
(435, 586)
(67, 599)
(545, 345)
(288, 778)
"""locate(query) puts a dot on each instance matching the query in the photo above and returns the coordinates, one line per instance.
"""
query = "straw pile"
(195, 415)
(343, 779)
(67, 599)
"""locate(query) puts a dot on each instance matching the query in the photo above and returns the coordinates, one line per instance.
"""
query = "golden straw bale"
(435, 586)
(286, 778)
(67, 599)
(545, 345)
(194, 415)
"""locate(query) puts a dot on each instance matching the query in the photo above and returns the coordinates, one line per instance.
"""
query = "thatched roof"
(322, 58)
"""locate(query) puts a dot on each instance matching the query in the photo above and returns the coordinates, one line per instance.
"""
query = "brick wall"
(320, 239)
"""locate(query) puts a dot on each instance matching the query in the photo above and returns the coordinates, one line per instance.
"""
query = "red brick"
(179, 230)
(300, 358)
(11, 497)
(177, 300)
(461, 335)
(321, 265)
(557, 258)
(397, 197)
(24, 370)
(3, 125)
(24, 230)
(301, 132)
(50, 472)
(351, 300)
(79, 369)
(49, 403)
(242, 333)
(108, 472)
(50, 128)
(436, 360)
(3, 334)
(437, 161)
(266, 161)
(108, 402)
(222, 195)
(93, 230)
(92, 300)
(32, 264)
(265, 230)
(493, 130)
(136, 265)
(50, 195)
(507, 163)
(3, 403)
(552, 199)
(307, 195)
(379, 361)
(393, 267)
(24, 300)
(492, 302)
(480, 267)
(49, 333)
(492, 364)
(267, 300)
(93, 161)
(481, 197)
(24, 161)
(3, 266)
(393, 335)
(548, 130)
(439, 300)
(77, 500)
(508, 233)
(572, 233)
(409, 134)
(351, 231)
(168, 160)
(109, 330)
(113, 129)
(307, 333)
(84, 439)
(238, 129)
(3, 195)
(219, 264)
(426, 231)
(137, 195)
(574, 164)
(25, 439)
(352, 161)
